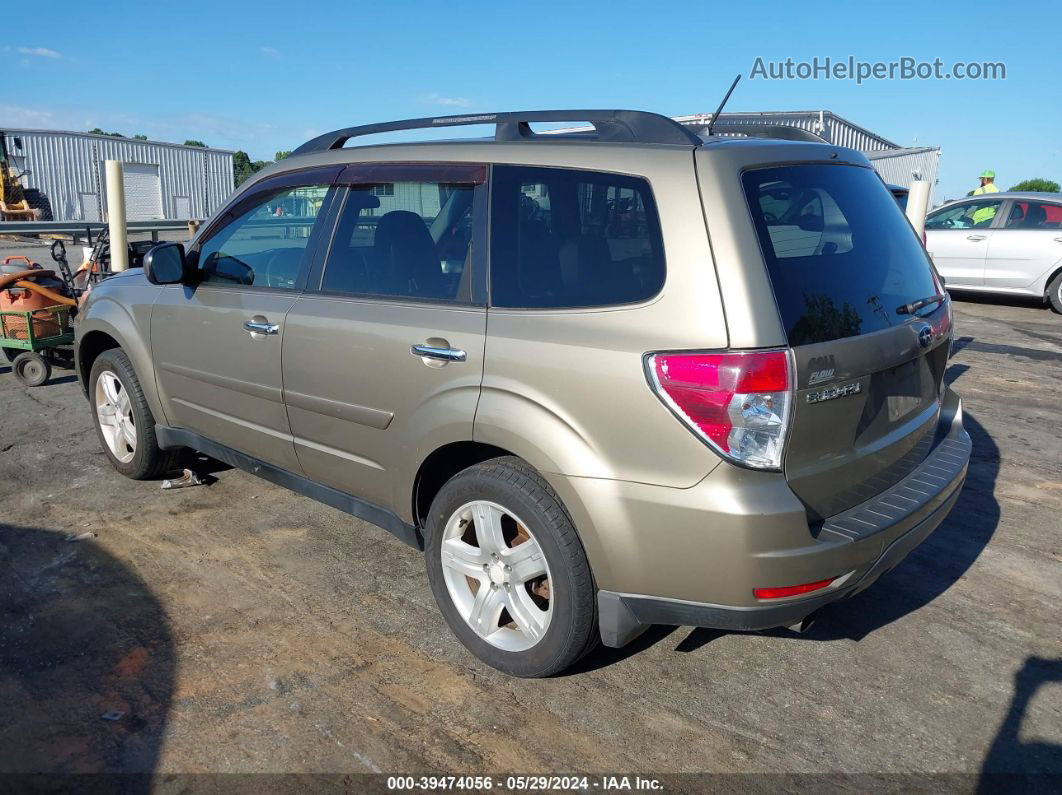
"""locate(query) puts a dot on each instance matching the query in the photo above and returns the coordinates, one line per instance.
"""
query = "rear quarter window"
(840, 253)
(565, 238)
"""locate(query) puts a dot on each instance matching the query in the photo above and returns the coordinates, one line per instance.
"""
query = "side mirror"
(165, 264)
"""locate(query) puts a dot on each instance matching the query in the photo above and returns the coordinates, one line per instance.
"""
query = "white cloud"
(261, 139)
(15, 116)
(272, 52)
(438, 99)
(43, 52)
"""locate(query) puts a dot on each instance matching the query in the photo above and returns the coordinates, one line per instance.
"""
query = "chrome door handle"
(1058, 239)
(442, 354)
(975, 237)
(256, 327)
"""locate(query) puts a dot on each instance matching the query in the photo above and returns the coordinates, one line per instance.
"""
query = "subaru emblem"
(925, 336)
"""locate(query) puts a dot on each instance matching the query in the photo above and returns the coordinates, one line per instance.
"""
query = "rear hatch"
(847, 272)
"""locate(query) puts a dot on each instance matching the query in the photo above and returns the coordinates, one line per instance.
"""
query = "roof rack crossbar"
(609, 125)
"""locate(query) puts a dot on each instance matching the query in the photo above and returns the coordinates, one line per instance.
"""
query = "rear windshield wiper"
(914, 306)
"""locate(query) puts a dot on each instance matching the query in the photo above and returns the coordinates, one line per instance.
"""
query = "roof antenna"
(721, 104)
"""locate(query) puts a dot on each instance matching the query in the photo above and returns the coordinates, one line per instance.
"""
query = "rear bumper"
(856, 547)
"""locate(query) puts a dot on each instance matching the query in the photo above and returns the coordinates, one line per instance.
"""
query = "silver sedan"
(1009, 243)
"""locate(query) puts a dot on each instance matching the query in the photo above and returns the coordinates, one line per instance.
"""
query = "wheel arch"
(107, 327)
(1052, 274)
(441, 465)
(89, 348)
(450, 459)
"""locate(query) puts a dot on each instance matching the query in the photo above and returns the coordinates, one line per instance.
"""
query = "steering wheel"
(279, 273)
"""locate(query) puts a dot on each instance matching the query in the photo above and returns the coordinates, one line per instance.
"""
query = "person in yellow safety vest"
(988, 184)
(983, 215)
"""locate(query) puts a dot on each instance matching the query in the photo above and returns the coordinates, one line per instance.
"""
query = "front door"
(957, 238)
(217, 343)
(383, 353)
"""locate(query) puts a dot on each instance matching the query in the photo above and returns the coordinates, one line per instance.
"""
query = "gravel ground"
(238, 627)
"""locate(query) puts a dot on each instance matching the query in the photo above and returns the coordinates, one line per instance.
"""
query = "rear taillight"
(737, 402)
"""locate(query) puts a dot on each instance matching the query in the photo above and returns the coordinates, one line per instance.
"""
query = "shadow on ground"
(86, 660)
(1029, 301)
(1036, 762)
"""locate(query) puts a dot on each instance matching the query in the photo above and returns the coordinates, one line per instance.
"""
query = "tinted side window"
(403, 239)
(263, 245)
(562, 238)
(1034, 215)
(970, 215)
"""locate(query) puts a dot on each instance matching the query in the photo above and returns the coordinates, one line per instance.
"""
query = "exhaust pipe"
(805, 623)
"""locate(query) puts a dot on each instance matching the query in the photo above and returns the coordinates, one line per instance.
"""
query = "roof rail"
(783, 132)
(609, 125)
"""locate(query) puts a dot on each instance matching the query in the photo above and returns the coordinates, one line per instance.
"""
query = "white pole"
(918, 204)
(119, 238)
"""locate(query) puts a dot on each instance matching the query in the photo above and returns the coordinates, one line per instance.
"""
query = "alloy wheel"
(114, 411)
(497, 576)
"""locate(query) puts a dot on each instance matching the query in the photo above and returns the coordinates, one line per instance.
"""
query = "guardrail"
(87, 229)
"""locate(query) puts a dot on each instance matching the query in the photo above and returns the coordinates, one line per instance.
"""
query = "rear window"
(841, 255)
(563, 238)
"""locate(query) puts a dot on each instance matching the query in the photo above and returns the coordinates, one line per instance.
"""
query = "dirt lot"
(238, 627)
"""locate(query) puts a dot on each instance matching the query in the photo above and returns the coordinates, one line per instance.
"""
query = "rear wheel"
(1054, 293)
(508, 570)
(123, 419)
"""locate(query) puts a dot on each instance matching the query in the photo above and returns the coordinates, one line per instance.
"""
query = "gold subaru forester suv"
(624, 376)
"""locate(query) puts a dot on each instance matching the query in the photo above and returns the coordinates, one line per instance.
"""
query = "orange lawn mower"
(35, 310)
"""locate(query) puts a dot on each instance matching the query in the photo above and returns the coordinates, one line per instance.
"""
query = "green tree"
(281, 154)
(193, 142)
(140, 137)
(98, 131)
(1039, 185)
(243, 167)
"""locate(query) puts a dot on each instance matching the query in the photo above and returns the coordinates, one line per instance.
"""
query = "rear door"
(957, 237)
(844, 266)
(1026, 247)
(383, 354)
(217, 344)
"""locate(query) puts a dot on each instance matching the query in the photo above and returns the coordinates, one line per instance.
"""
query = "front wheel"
(508, 570)
(123, 419)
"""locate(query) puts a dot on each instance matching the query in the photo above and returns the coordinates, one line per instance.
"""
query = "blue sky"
(264, 76)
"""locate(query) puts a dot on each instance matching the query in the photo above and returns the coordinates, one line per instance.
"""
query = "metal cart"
(32, 340)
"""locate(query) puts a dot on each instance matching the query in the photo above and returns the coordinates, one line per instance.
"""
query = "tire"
(515, 506)
(31, 368)
(1054, 293)
(115, 392)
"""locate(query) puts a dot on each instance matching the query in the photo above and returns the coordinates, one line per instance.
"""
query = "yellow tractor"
(13, 204)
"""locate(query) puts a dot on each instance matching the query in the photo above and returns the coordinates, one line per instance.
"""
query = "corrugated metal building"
(63, 172)
(901, 166)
